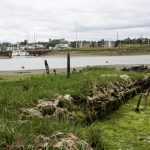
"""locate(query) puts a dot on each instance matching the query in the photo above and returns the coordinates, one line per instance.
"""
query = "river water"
(36, 63)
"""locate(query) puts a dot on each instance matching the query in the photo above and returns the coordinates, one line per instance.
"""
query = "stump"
(46, 67)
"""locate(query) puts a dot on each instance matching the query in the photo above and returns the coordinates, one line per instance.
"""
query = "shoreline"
(62, 70)
(93, 53)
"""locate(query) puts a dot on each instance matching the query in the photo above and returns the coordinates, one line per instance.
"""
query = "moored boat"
(19, 53)
(37, 52)
(5, 54)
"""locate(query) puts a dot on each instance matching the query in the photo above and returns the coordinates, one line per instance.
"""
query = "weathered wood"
(138, 104)
(55, 72)
(46, 67)
(74, 70)
(146, 96)
(68, 65)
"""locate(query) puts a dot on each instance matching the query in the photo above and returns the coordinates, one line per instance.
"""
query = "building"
(109, 44)
(61, 46)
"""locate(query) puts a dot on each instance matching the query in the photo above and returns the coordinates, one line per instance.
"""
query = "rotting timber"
(108, 99)
(97, 105)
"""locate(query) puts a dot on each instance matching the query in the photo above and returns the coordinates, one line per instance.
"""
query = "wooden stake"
(54, 72)
(138, 104)
(146, 96)
(46, 67)
(68, 65)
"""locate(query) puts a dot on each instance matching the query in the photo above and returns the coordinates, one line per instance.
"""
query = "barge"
(37, 52)
(5, 54)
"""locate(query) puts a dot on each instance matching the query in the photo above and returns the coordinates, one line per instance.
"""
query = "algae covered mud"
(52, 112)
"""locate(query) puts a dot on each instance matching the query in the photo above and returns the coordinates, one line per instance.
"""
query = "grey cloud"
(58, 18)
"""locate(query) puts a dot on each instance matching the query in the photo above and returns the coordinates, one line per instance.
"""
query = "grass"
(19, 91)
(123, 50)
(126, 129)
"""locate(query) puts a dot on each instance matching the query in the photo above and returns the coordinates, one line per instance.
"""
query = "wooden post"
(74, 70)
(146, 96)
(138, 104)
(46, 67)
(54, 72)
(68, 65)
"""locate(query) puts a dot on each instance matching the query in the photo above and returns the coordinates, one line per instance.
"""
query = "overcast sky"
(96, 19)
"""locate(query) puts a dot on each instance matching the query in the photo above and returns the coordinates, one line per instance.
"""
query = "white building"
(61, 46)
(109, 44)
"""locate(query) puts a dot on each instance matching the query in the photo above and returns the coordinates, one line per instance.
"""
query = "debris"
(68, 141)
(125, 77)
(67, 97)
(46, 107)
(41, 143)
(60, 140)
(31, 112)
(141, 68)
(51, 108)
(16, 144)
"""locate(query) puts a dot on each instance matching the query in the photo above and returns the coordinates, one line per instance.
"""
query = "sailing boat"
(19, 51)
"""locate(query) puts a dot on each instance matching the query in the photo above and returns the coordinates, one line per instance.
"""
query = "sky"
(94, 19)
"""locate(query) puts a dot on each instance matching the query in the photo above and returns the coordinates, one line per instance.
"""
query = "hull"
(5, 54)
(19, 53)
(37, 52)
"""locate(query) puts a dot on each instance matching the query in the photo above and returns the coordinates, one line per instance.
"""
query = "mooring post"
(68, 65)
(46, 67)
(138, 104)
(54, 71)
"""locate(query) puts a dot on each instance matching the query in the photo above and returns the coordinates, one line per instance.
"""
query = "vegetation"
(126, 129)
(23, 91)
(121, 50)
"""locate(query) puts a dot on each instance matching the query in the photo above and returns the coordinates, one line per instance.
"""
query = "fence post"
(68, 65)
(46, 67)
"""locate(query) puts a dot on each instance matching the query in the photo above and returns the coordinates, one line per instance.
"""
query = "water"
(35, 63)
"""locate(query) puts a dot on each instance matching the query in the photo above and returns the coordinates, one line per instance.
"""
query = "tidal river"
(37, 63)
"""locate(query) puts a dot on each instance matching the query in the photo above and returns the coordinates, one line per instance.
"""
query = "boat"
(37, 50)
(19, 53)
(5, 54)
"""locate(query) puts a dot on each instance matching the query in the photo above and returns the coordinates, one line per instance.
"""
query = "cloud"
(96, 19)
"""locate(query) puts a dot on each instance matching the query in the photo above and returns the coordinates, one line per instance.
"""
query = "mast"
(76, 35)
